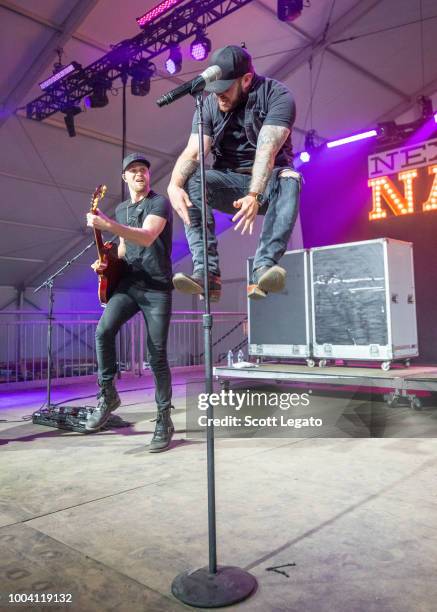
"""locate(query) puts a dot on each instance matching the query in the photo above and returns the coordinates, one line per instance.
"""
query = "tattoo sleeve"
(270, 140)
(182, 171)
(187, 168)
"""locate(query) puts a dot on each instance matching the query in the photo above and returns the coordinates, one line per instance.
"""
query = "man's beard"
(140, 188)
(240, 100)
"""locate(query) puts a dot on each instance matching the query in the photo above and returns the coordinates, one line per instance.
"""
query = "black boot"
(164, 431)
(108, 400)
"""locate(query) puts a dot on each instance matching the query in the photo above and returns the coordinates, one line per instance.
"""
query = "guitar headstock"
(98, 194)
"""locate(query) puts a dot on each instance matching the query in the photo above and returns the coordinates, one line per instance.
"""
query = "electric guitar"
(110, 267)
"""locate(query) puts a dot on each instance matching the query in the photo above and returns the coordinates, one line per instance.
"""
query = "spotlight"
(304, 157)
(69, 114)
(200, 47)
(141, 73)
(99, 97)
(173, 63)
(435, 117)
(387, 131)
(289, 10)
(426, 109)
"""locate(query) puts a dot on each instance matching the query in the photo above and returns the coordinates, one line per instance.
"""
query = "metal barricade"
(23, 342)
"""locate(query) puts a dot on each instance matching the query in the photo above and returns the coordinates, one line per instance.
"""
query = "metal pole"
(49, 342)
(211, 586)
(207, 338)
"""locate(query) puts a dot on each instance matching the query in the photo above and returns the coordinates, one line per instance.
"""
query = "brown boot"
(194, 285)
(266, 280)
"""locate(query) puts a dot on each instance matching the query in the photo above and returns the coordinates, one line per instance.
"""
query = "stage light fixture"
(289, 10)
(69, 114)
(61, 73)
(387, 131)
(304, 157)
(200, 47)
(354, 138)
(426, 109)
(156, 11)
(310, 141)
(141, 74)
(99, 97)
(173, 63)
(435, 117)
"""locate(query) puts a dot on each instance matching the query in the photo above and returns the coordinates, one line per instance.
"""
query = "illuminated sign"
(404, 162)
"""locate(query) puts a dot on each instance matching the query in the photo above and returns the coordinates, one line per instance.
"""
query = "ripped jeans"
(223, 187)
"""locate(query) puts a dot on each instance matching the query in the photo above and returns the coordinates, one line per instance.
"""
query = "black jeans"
(156, 309)
(225, 186)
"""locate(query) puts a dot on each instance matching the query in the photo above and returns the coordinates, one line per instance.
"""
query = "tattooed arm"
(186, 164)
(270, 140)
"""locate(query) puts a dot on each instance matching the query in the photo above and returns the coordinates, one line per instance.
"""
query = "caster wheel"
(407, 363)
(322, 363)
(311, 363)
(391, 400)
(415, 403)
(385, 365)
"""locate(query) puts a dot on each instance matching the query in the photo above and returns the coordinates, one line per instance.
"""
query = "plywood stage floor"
(353, 520)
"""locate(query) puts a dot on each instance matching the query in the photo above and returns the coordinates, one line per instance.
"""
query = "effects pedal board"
(72, 418)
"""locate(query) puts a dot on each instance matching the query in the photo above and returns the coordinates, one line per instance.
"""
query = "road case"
(363, 301)
(279, 325)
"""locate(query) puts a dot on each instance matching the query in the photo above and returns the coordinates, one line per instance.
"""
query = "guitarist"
(144, 225)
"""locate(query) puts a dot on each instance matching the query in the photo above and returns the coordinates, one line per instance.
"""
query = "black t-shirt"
(149, 267)
(235, 148)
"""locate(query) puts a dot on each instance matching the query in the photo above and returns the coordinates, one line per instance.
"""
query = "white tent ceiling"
(47, 178)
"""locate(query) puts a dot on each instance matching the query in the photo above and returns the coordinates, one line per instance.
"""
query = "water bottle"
(240, 356)
(230, 359)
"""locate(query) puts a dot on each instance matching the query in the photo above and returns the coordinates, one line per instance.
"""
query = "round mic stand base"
(199, 588)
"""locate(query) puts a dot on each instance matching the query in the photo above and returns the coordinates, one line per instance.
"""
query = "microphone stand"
(49, 283)
(210, 586)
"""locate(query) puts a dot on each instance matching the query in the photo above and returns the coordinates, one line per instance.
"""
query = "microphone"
(191, 87)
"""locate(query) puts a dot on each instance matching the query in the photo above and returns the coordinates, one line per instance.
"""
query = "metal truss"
(155, 39)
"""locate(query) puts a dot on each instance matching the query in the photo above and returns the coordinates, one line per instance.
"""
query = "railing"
(23, 342)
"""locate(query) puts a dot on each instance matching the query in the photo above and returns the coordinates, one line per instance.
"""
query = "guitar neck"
(99, 242)
(98, 195)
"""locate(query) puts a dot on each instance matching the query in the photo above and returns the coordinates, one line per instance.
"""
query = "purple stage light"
(304, 157)
(173, 64)
(435, 117)
(170, 66)
(200, 47)
(198, 51)
(62, 73)
(347, 139)
(158, 10)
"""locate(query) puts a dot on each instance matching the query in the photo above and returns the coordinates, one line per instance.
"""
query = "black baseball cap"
(234, 62)
(135, 157)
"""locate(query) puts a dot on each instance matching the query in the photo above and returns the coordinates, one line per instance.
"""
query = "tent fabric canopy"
(350, 64)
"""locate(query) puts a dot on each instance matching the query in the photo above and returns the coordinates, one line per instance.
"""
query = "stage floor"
(353, 520)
